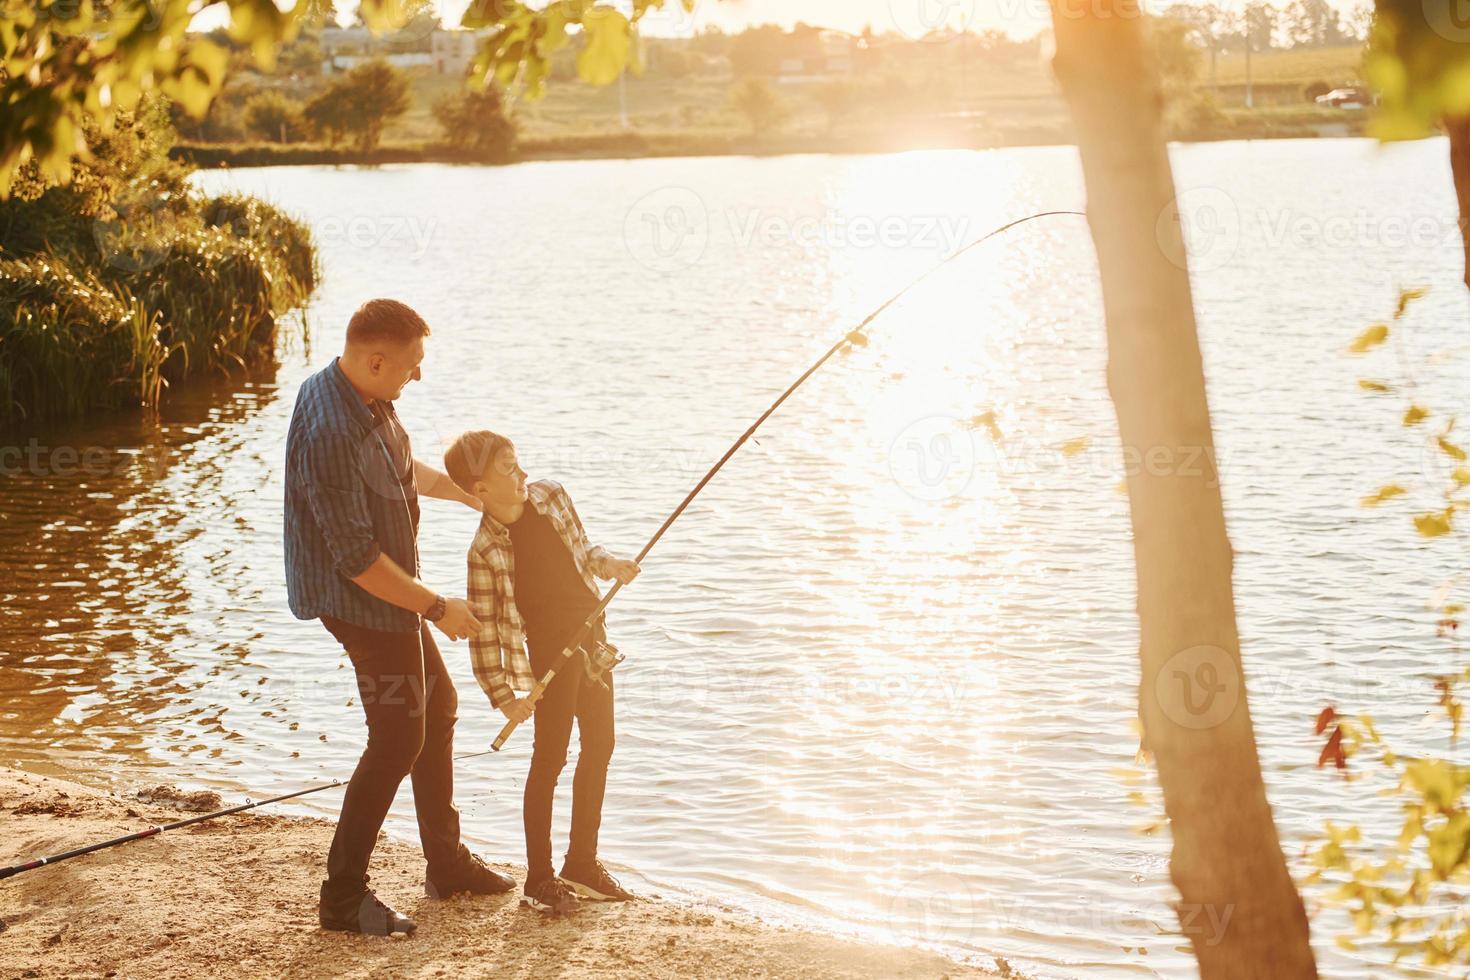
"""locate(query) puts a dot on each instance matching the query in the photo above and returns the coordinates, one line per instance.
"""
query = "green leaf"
(1437, 781)
(989, 422)
(1433, 525)
(1413, 827)
(605, 54)
(1384, 493)
(191, 92)
(1370, 338)
(212, 59)
(1407, 296)
(555, 37)
(382, 16)
(1448, 844)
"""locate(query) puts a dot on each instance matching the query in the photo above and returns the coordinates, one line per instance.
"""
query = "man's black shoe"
(366, 915)
(471, 876)
(594, 883)
(549, 896)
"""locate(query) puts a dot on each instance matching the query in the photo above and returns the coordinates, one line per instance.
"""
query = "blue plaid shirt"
(346, 503)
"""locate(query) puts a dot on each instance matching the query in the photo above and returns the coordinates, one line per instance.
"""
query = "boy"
(531, 583)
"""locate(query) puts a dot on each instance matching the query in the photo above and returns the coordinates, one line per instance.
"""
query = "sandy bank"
(236, 897)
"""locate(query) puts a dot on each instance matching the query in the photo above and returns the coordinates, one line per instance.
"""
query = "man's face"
(394, 367)
(503, 482)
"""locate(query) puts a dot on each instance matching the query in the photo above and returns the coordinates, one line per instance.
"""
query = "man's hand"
(458, 622)
(436, 483)
(624, 570)
(518, 710)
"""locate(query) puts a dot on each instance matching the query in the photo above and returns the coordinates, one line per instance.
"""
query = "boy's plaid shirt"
(499, 652)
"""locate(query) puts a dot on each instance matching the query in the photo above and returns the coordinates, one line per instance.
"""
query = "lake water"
(881, 676)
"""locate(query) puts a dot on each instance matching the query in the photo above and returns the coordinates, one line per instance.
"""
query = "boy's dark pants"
(411, 707)
(570, 694)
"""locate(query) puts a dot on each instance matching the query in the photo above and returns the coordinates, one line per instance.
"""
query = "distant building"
(418, 44)
(347, 62)
(452, 51)
(822, 56)
(345, 40)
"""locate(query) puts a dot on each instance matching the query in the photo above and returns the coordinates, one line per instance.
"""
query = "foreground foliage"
(123, 279)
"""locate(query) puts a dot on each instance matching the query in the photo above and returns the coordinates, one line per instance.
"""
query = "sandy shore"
(237, 897)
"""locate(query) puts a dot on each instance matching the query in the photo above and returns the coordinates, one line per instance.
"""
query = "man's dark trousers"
(411, 707)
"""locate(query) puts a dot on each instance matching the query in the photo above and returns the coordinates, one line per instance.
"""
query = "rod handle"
(531, 698)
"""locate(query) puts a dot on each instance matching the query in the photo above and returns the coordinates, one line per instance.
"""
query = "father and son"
(351, 548)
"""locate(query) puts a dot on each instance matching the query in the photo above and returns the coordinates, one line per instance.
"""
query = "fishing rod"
(154, 831)
(853, 338)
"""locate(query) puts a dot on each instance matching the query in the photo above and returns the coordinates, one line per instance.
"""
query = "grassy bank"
(124, 281)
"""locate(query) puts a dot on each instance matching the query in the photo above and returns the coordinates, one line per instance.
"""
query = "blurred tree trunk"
(1238, 905)
(1458, 129)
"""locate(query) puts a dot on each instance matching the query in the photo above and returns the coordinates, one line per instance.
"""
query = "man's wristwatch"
(437, 610)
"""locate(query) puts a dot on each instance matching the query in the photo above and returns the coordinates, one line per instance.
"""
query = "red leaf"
(1333, 750)
(1325, 718)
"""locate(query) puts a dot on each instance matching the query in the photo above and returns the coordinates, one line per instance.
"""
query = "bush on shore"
(125, 280)
(272, 116)
(477, 121)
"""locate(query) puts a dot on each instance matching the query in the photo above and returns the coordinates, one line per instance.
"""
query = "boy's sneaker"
(549, 896)
(592, 882)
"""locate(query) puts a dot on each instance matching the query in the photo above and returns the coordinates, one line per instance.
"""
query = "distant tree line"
(1265, 27)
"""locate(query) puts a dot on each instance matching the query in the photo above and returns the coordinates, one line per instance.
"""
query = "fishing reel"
(599, 657)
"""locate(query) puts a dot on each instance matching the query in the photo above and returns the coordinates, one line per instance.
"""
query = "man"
(351, 530)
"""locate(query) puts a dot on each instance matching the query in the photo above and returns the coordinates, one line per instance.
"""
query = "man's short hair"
(381, 321)
(467, 458)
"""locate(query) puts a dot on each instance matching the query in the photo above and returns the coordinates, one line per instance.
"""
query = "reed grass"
(65, 338)
(86, 328)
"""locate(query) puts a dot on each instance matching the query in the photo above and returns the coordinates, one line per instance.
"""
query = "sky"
(1020, 18)
(915, 18)
(1017, 18)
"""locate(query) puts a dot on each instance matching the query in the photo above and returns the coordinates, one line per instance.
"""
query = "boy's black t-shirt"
(549, 591)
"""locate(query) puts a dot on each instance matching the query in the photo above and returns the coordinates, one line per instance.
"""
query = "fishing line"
(853, 338)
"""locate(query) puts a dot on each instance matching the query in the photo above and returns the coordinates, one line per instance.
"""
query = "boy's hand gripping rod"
(857, 338)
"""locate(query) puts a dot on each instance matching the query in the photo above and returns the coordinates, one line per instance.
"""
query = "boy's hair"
(385, 320)
(467, 458)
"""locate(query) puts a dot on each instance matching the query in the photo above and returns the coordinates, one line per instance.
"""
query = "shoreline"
(634, 145)
(239, 894)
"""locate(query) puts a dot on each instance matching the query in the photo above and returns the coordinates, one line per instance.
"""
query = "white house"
(452, 51)
(831, 54)
(446, 52)
(347, 62)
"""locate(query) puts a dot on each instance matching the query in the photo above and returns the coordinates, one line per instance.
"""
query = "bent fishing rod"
(853, 338)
